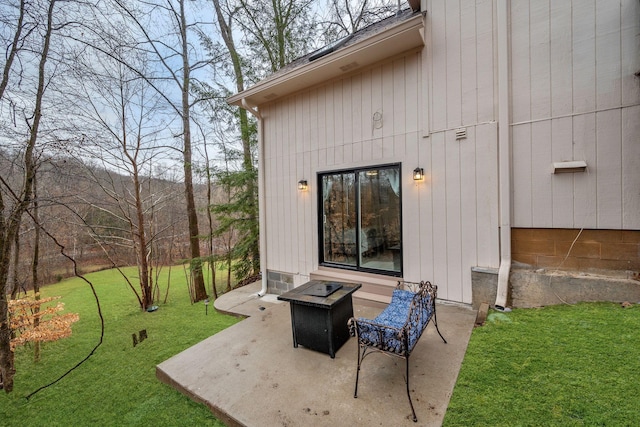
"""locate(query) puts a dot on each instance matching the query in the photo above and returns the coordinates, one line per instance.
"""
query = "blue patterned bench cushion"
(398, 328)
(395, 315)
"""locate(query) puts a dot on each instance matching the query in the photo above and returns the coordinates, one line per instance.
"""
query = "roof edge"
(414, 23)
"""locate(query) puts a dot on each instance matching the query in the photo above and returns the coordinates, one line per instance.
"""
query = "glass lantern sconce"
(418, 174)
(302, 185)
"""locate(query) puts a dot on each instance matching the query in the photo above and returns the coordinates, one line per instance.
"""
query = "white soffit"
(389, 42)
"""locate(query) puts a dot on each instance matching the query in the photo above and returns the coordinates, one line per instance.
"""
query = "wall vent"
(461, 133)
(349, 67)
(570, 166)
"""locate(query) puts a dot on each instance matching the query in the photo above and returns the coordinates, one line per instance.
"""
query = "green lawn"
(117, 385)
(558, 366)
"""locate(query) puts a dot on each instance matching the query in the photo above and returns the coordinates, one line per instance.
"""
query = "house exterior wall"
(450, 220)
(330, 127)
(460, 210)
(575, 97)
(460, 65)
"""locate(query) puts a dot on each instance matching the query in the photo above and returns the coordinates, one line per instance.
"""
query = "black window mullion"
(358, 218)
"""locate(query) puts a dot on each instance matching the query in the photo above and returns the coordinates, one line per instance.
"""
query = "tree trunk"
(214, 291)
(141, 244)
(16, 266)
(7, 369)
(6, 355)
(252, 191)
(13, 51)
(200, 292)
(34, 264)
(247, 163)
(10, 227)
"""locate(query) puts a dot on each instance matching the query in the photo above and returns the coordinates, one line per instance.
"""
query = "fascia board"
(387, 43)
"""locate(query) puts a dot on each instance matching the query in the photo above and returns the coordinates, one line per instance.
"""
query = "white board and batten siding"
(450, 220)
(461, 203)
(575, 97)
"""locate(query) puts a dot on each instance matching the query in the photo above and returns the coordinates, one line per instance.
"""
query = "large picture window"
(360, 219)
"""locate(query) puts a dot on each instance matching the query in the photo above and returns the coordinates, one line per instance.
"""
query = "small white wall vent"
(461, 133)
(350, 66)
(570, 166)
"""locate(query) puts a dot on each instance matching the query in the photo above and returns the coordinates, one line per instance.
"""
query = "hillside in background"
(83, 209)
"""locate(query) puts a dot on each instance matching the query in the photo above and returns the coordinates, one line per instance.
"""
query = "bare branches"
(276, 32)
(10, 225)
(345, 17)
(13, 49)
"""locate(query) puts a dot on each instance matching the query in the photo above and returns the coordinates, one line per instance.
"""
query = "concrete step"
(375, 292)
(369, 299)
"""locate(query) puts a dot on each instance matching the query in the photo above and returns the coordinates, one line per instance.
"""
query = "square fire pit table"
(320, 310)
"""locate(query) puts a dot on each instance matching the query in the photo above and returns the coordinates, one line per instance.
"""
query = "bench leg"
(435, 322)
(413, 411)
(360, 356)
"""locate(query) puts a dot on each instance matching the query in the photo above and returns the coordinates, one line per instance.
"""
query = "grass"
(117, 385)
(558, 366)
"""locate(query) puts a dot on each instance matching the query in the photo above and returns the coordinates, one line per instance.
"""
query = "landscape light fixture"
(418, 174)
(302, 185)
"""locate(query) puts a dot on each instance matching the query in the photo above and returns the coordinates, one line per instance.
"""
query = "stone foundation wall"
(530, 287)
(537, 288)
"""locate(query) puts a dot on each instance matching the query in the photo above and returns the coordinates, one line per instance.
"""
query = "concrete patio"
(250, 374)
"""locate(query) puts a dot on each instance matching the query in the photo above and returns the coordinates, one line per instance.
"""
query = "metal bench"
(397, 329)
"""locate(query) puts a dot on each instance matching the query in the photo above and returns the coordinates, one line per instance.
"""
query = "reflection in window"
(360, 213)
(340, 219)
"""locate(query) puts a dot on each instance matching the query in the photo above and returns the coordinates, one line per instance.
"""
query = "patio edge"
(221, 415)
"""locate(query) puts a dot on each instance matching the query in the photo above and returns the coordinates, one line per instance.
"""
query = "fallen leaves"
(32, 321)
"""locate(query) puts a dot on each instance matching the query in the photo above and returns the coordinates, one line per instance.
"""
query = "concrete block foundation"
(529, 287)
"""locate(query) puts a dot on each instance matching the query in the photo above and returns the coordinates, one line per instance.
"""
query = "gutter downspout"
(261, 197)
(504, 155)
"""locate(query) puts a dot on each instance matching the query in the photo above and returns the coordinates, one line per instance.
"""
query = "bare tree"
(119, 105)
(276, 31)
(35, 262)
(14, 47)
(162, 31)
(226, 234)
(348, 16)
(248, 227)
(207, 172)
(13, 204)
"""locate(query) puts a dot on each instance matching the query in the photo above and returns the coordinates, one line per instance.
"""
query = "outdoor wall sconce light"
(302, 185)
(570, 166)
(418, 174)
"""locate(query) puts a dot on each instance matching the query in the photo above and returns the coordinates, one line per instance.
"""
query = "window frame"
(320, 212)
